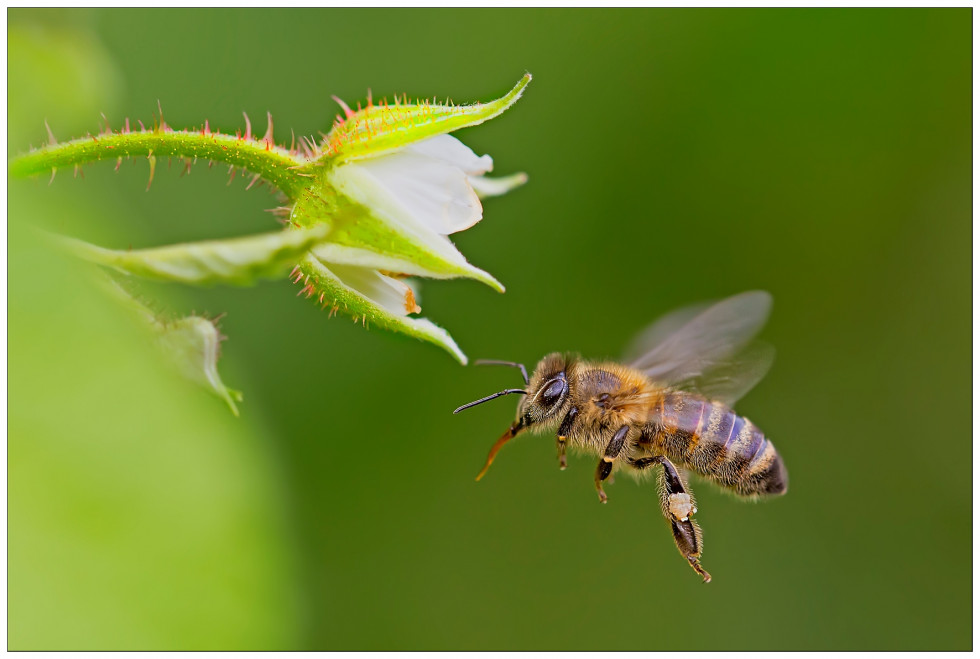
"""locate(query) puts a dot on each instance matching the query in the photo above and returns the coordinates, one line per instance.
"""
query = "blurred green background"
(674, 156)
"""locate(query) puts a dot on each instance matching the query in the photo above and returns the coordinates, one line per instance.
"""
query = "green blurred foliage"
(142, 514)
(674, 156)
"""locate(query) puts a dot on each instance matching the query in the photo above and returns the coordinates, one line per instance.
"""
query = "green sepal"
(380, 128)
(193, 346)
(238, 261)
(327, 290)
(371, 241)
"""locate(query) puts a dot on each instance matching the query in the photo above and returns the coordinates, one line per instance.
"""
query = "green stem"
(280, 167)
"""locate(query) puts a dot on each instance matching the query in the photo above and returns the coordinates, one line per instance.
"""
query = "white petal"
(413, 189)
(450, 150)
(393, 295)
(484, 186)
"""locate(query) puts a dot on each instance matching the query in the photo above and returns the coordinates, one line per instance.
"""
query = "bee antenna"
(500, 362)
(490, 397)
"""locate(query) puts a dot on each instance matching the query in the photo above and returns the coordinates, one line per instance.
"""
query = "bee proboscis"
(669, 408)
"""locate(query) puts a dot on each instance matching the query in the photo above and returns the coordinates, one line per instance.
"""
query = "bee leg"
(564, 430)
(678, 507)
(613, 449)
(687, 537)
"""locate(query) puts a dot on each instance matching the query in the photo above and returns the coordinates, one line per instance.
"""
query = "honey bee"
(671, 407)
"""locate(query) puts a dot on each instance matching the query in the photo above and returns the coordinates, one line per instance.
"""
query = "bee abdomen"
(716, 442)
(766, 473)
(680, 421)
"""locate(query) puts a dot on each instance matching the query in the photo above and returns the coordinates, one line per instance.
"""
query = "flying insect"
(671, 408)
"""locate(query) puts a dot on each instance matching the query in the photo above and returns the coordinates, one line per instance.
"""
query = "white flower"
(425, 191)
(393, 185)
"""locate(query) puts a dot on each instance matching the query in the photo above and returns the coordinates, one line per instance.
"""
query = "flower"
(393, 186)
(371, 205)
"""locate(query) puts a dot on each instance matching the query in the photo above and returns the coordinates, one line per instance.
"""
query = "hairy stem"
(281, 168)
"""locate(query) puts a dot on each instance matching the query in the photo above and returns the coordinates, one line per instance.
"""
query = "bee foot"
(696, 564)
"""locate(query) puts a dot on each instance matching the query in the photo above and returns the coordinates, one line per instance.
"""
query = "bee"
(670, 409)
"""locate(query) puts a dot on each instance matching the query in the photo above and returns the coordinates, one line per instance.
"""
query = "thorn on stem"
(153, 167)
(268, 131)
(51, 139)
(163, 124)
(346, 109)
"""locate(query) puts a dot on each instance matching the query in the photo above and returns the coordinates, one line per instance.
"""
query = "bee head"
(543, 400)
(547, 392)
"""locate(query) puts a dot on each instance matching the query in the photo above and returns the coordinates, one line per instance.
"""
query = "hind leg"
(678, 507)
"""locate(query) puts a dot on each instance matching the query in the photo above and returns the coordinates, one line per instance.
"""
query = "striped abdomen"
(714, 441)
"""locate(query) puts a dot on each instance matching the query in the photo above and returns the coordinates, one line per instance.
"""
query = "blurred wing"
(662, 328)
(728, 380)
(709, 348)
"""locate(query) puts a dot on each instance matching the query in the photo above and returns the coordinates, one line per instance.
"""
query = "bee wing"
(661, 329)
(730, 379)
(709, 348)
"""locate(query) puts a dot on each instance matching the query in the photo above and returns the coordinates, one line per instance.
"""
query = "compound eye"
(552, 393)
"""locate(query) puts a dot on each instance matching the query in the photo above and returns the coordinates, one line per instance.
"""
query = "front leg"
(613, 449)
(678, 507)
(564, 430)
